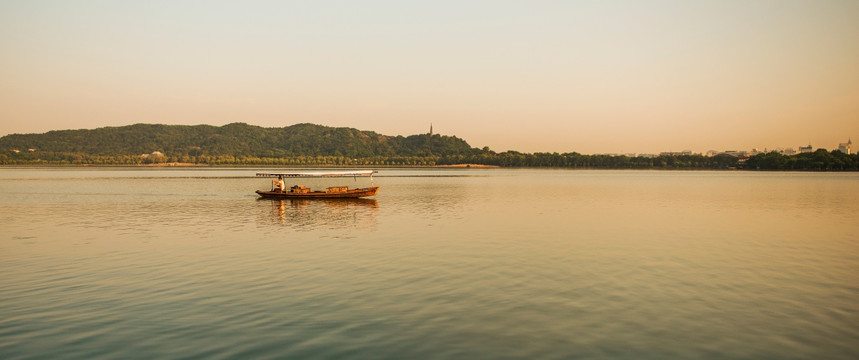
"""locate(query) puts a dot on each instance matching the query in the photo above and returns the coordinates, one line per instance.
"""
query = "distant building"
(806, 149)
(153, 154)
(735, 153)
(789, 151)
(847, 147)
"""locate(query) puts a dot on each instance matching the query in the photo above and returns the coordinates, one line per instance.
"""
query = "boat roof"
(320, 173)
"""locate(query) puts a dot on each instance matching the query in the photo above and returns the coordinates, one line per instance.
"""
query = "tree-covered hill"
(316, 145)
(237, 139)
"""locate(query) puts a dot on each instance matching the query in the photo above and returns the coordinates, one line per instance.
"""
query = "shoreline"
(453, 166)
(176, 164)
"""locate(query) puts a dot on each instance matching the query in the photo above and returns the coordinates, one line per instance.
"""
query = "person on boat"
(278, 184)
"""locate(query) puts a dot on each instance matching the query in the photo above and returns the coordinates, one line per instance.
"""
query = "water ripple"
(438, 265)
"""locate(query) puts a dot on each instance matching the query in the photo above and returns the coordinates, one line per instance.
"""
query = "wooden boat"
(332, 192)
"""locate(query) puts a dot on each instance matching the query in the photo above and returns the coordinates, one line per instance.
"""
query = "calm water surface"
(470, 264)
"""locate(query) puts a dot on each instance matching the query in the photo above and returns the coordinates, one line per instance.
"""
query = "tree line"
(580, 161)
(237, 139)
(820, 160)
(316, 145)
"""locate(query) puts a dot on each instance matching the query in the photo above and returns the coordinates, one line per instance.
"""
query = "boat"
(299, 191)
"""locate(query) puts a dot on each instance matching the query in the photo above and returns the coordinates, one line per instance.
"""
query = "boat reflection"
(314, 214)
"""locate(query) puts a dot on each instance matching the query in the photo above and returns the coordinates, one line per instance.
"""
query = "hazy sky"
(587, 76)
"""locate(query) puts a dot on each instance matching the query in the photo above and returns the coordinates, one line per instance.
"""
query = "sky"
(606, 76)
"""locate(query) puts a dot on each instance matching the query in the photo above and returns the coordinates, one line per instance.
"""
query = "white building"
(153, 154)
(847, 147)
(756, 151)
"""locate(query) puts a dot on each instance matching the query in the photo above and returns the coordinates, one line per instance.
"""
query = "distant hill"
(316, 145)
(238, 140)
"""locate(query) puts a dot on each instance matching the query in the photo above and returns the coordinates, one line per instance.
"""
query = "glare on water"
(464, 263)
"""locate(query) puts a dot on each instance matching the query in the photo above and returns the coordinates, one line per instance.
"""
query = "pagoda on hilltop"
(847, 147)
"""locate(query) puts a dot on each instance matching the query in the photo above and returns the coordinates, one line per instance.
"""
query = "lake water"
(443, 263)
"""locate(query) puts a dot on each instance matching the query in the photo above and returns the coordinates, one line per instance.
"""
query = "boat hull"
(351, 193)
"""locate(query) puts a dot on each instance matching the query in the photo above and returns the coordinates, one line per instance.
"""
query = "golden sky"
(557, 76)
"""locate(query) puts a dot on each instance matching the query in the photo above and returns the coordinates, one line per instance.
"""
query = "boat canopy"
(321, 173)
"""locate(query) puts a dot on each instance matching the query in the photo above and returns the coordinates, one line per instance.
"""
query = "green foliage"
(820, 160)
(576, 160)
(238, 140)
(315, 145)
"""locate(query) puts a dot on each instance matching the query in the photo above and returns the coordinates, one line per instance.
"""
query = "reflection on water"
(315, 214)
(433, 199)
(477, 264)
